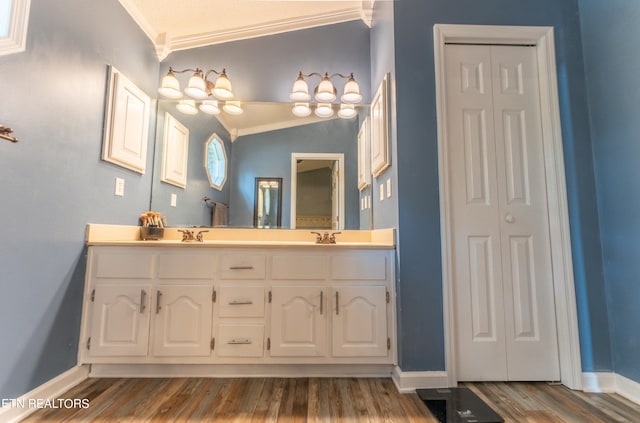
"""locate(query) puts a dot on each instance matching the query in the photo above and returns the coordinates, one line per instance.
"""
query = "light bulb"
(347, 111)
(210, 107)
(170, 86)
(232, 107)
(324, 110)
(300, 90)
(301, 109)
(222, 88)
(188, 107)
(351, 92)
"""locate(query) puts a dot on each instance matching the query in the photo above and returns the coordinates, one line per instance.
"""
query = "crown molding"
(270, 28)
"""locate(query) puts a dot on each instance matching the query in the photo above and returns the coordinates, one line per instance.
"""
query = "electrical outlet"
(174, 200)
(119, 187)
(388, 188)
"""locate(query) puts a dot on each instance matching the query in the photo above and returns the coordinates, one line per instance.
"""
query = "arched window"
(215, 162)
(14, 16)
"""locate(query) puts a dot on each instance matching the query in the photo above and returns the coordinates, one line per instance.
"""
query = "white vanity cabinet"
(199, 304)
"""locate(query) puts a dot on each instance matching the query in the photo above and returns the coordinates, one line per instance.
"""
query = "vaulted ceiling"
(178, 25)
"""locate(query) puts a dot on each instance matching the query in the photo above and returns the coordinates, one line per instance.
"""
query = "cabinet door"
(359, 322)
(120, 321)
(298, 321)
(183, 316)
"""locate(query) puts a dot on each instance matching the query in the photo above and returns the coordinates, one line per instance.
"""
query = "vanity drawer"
(186, 266)
(130, 265)
(299, 267)
(236, 340)
(370, 265)
(243, 266)
(241, 301)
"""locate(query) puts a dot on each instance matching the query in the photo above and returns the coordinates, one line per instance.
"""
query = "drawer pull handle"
(236, 302)
(143, 300)
(337, 304)
(243, 341)
(321, 301)
(241, 267)
(158, 307)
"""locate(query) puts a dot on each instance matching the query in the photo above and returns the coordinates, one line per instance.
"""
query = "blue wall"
(269, 155)
(53, 181)
(190, 209)
(610, 35)
(421, 322)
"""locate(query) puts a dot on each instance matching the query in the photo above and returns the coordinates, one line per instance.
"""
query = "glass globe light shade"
(300, 90)
(347, 111)
(196, 88)
(301, 109)
(170, 86)
(351, 92)
(222, 89)
(325, 91)
(210, 107)
(232, 107)
(324, 110)
(188, 107)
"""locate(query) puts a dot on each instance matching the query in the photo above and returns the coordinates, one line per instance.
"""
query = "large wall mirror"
(258, 144)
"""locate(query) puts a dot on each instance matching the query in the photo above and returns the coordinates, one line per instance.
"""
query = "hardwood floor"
(316, 400)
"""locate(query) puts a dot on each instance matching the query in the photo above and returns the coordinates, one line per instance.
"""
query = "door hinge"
(387, 296)
(268, 344)
(270, 297)
(212, 345)
(89, 343)
(214, 296)
(93, 295)
(388, 344)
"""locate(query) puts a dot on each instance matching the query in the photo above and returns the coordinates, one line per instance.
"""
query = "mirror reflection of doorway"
(317, 199)
(267, 209)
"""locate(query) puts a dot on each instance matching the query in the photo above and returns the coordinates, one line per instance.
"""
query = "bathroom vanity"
(239, 301)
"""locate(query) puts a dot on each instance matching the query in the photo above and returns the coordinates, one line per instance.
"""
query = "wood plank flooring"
(314, 400)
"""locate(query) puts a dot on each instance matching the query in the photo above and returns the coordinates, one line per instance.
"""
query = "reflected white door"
(505, 315)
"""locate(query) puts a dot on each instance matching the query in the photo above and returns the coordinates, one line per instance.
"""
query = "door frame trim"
(542, 39)
(339, 157)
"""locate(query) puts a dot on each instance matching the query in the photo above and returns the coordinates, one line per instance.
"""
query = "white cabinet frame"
(175, 152)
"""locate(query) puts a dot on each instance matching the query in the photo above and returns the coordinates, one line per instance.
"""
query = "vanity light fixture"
(325, 93)
(199, 87)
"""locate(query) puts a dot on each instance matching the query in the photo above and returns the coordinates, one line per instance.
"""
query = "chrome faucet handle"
(200, 237)
(318, 237)
(332, 238)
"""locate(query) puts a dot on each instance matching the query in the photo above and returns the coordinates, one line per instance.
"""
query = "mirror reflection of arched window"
(215, 162)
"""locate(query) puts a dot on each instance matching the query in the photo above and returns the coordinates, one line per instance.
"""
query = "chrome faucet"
(187, 235)
(325, 238)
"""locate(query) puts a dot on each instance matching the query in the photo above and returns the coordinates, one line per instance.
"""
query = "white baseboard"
(241, 370)
(410, 381)
(23, 406)
(611, 383)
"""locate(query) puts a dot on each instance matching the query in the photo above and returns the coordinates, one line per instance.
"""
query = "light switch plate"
(381, 192)
(388, 188)
(174, 200)
(119, 187)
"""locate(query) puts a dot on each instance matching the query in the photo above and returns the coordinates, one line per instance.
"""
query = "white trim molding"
(16, 40)
(47, 391)
(408, 382)
(608, 382)
(563, 281)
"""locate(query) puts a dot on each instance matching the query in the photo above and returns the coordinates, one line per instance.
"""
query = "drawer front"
(124, 265)
(299, 267)
(236, 340)
(371, 265)
(241, 301)
(243, 266)
(186, 266)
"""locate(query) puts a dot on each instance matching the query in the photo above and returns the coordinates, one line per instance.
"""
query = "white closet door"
(505, 319)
